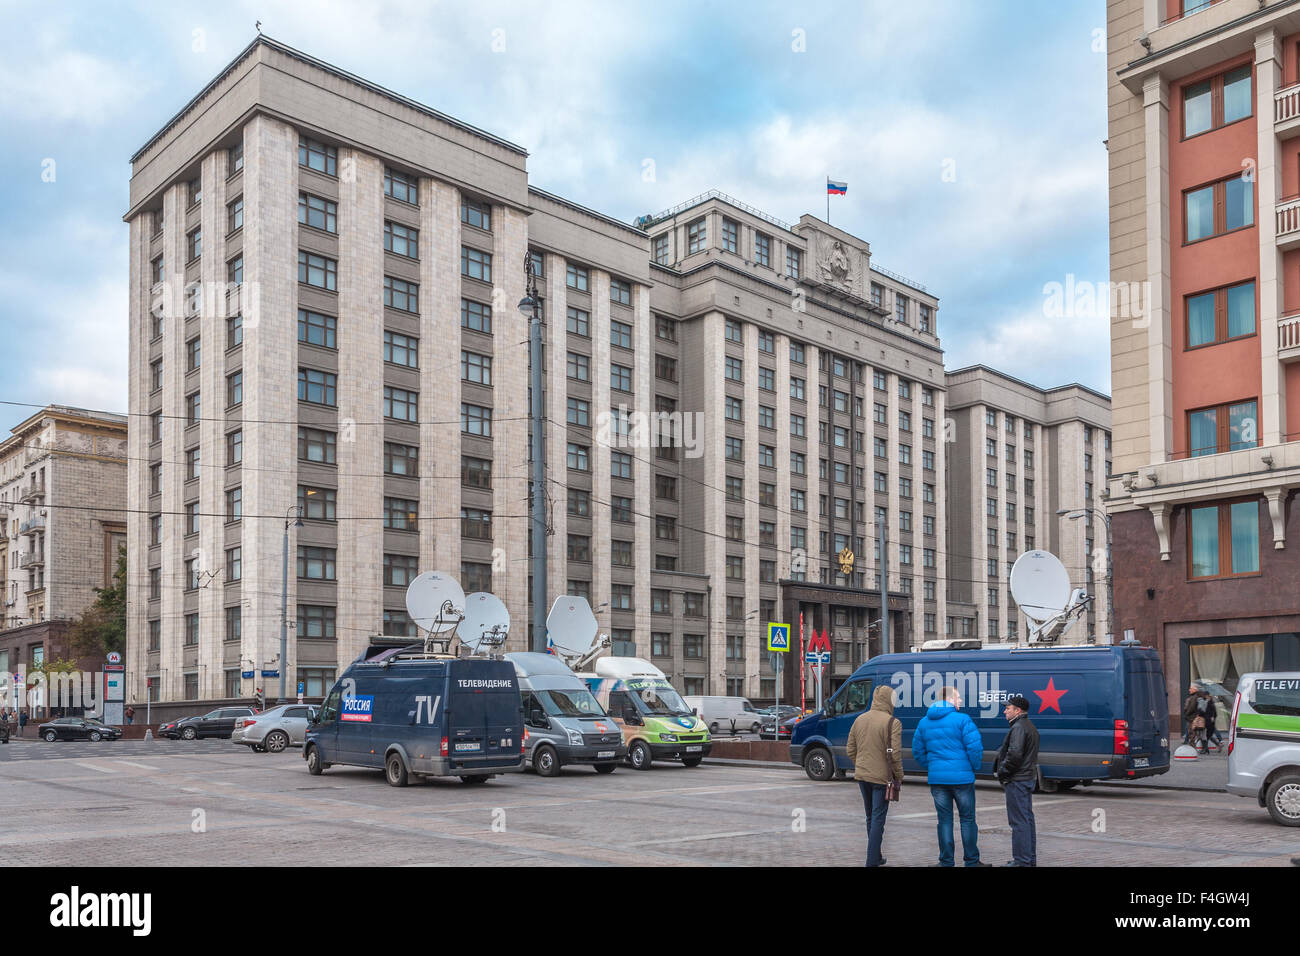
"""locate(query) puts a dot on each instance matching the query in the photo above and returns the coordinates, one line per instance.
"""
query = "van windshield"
(570, 703)
(1276, 696)
(658, 698)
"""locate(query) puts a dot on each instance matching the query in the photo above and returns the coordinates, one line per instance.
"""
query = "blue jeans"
(963, 795)
(873, 800)
(1020, 814)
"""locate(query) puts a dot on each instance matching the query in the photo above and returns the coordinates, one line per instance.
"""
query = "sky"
(970, 135)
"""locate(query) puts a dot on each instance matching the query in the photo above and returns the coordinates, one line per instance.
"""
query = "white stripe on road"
(142, 766)
(705, 836)
(91, 766)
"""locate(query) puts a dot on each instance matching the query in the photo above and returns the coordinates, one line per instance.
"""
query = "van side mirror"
(630, 716)
(695, 711)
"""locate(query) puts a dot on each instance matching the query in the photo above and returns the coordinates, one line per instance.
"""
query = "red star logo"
(1051, 697)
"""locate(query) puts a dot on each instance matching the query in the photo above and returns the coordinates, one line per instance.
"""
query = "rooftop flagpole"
(828, 200)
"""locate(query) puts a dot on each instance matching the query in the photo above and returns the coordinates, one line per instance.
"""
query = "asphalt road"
(209, 802)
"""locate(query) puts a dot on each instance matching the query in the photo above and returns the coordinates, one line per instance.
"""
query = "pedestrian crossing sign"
(778, 636)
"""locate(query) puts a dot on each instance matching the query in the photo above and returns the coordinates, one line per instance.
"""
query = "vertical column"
(781, 554)
(137, 463)
(440, 343)
(751, 625)
(981, 521)
(212, 378)
(270, 354)
(643, 465)
(600, 451)
(360, 547)
(510, 425)
(943, 561)
(1272, 400)
(893, 470)
(173, 448)
(713, 489)
(1155, 93)
(816, 449)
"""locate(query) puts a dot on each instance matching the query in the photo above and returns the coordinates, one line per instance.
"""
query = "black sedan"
(77, 728)
(216, 723)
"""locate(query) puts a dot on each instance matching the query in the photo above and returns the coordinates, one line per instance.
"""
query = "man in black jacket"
(1016, 767)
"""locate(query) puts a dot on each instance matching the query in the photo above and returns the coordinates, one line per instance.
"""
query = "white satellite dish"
(486, 624)
(1040, 584)
(571, 630)
(435, 601)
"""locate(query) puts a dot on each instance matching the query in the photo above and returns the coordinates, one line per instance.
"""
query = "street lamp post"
(296, 511)
(530, 307)
(1074, 514)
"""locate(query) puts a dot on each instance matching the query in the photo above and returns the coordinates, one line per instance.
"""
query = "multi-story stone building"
(1020, 455)
(323, 286)
(62, 523)
(1204, 103)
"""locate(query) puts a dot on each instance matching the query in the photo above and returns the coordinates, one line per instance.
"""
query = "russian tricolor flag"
(836, 189)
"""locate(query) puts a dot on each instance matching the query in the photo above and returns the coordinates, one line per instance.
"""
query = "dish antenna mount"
(436, 603)
(571, 632)
(1040, 585)
(486, 625)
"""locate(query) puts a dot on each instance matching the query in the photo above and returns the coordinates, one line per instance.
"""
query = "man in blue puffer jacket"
(948, 745)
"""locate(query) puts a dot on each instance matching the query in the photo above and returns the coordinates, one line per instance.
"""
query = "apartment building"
(1204, 142)
(328, 367)
(62, 523)
(1019, 456)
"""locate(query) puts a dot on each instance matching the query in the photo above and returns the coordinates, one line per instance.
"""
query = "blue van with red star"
(1101, 710)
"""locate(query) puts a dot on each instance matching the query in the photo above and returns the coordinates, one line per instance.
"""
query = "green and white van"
(1264, 743)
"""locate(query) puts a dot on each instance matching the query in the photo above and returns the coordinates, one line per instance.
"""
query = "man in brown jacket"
(875, 746)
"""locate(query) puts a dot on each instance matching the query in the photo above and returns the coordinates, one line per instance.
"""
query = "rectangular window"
(476, 472)
(235, 388)
(318, 212)
(234, 331)
(234, 504)
(403, 514)
(767, 379)
(317, 329)
(316, 155)
(661, 249)
(475, 420)
(476, 368)
(476, 214)
(194, 245)
(1223, 540)
(316, 446)
(797, 388)
(234, 447)
(235, 215)
(316, 621)
(401, 405)
(578, 367)
(475, 576)
(401, 295)
(476, 316)
(1222, 428)
(578, 322)
(317, 271)
(476, 264)
(665, 368)
(1219, 208)
(316, 564)
(579, 412)
(666, 487)
(620, 465)
(762, 249)
(400, 569)
(696, 237)
(401, 187)
(620, 292)
(401, 240)
(577, 278)
(620, 334)
(579, 547)
(317, 387)
(235, 159)
(620, 378)
(1217, 102)
(476, 523)
(1221, 314)
(793, 262)
(317, 504)
(401, 460)
(578, 457)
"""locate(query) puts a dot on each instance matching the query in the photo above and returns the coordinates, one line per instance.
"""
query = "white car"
(726, 714)
(275, 729)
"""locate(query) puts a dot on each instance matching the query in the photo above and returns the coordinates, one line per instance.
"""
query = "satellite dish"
(1040, 584)
(435, 601)
(486, 624)
(571, 626)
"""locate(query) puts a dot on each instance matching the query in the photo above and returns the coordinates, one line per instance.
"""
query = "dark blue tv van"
(412, 714)
(1100, 711)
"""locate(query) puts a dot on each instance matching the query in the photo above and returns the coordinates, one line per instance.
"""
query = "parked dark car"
(784, 731)
(215, 723)
(77, 728)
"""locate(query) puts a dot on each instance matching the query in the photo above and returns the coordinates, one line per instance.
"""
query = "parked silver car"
(274, 729)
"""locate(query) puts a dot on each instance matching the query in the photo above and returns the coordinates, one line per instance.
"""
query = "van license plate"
(462, 747)
(692, 750)
(1141, 761)
(604, 753)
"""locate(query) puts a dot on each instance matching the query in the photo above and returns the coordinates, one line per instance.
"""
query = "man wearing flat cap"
(1016, 767)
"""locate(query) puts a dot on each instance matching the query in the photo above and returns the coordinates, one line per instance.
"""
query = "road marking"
(91, 766)
(142, 766)
(706, 836)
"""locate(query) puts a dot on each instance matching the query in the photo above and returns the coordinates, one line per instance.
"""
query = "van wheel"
(546, 762)
(479, 778)
(395, 770)
(755, 728)
(713, 728)
(639, 755)
(606, 767)
(314, 764)
(818, 764)
(1283, 800)
(691, 761)
(276, 741)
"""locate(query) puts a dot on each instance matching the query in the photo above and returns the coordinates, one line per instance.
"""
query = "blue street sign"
(245, 673)
(300, 687)
(817, 657)
(778, 637)
(270, 673)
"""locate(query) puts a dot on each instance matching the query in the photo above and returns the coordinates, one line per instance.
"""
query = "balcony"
(36, 523)
(35, 490)
(31, 559)
(1286, 112)
(1287, 217)
(1288, 337)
